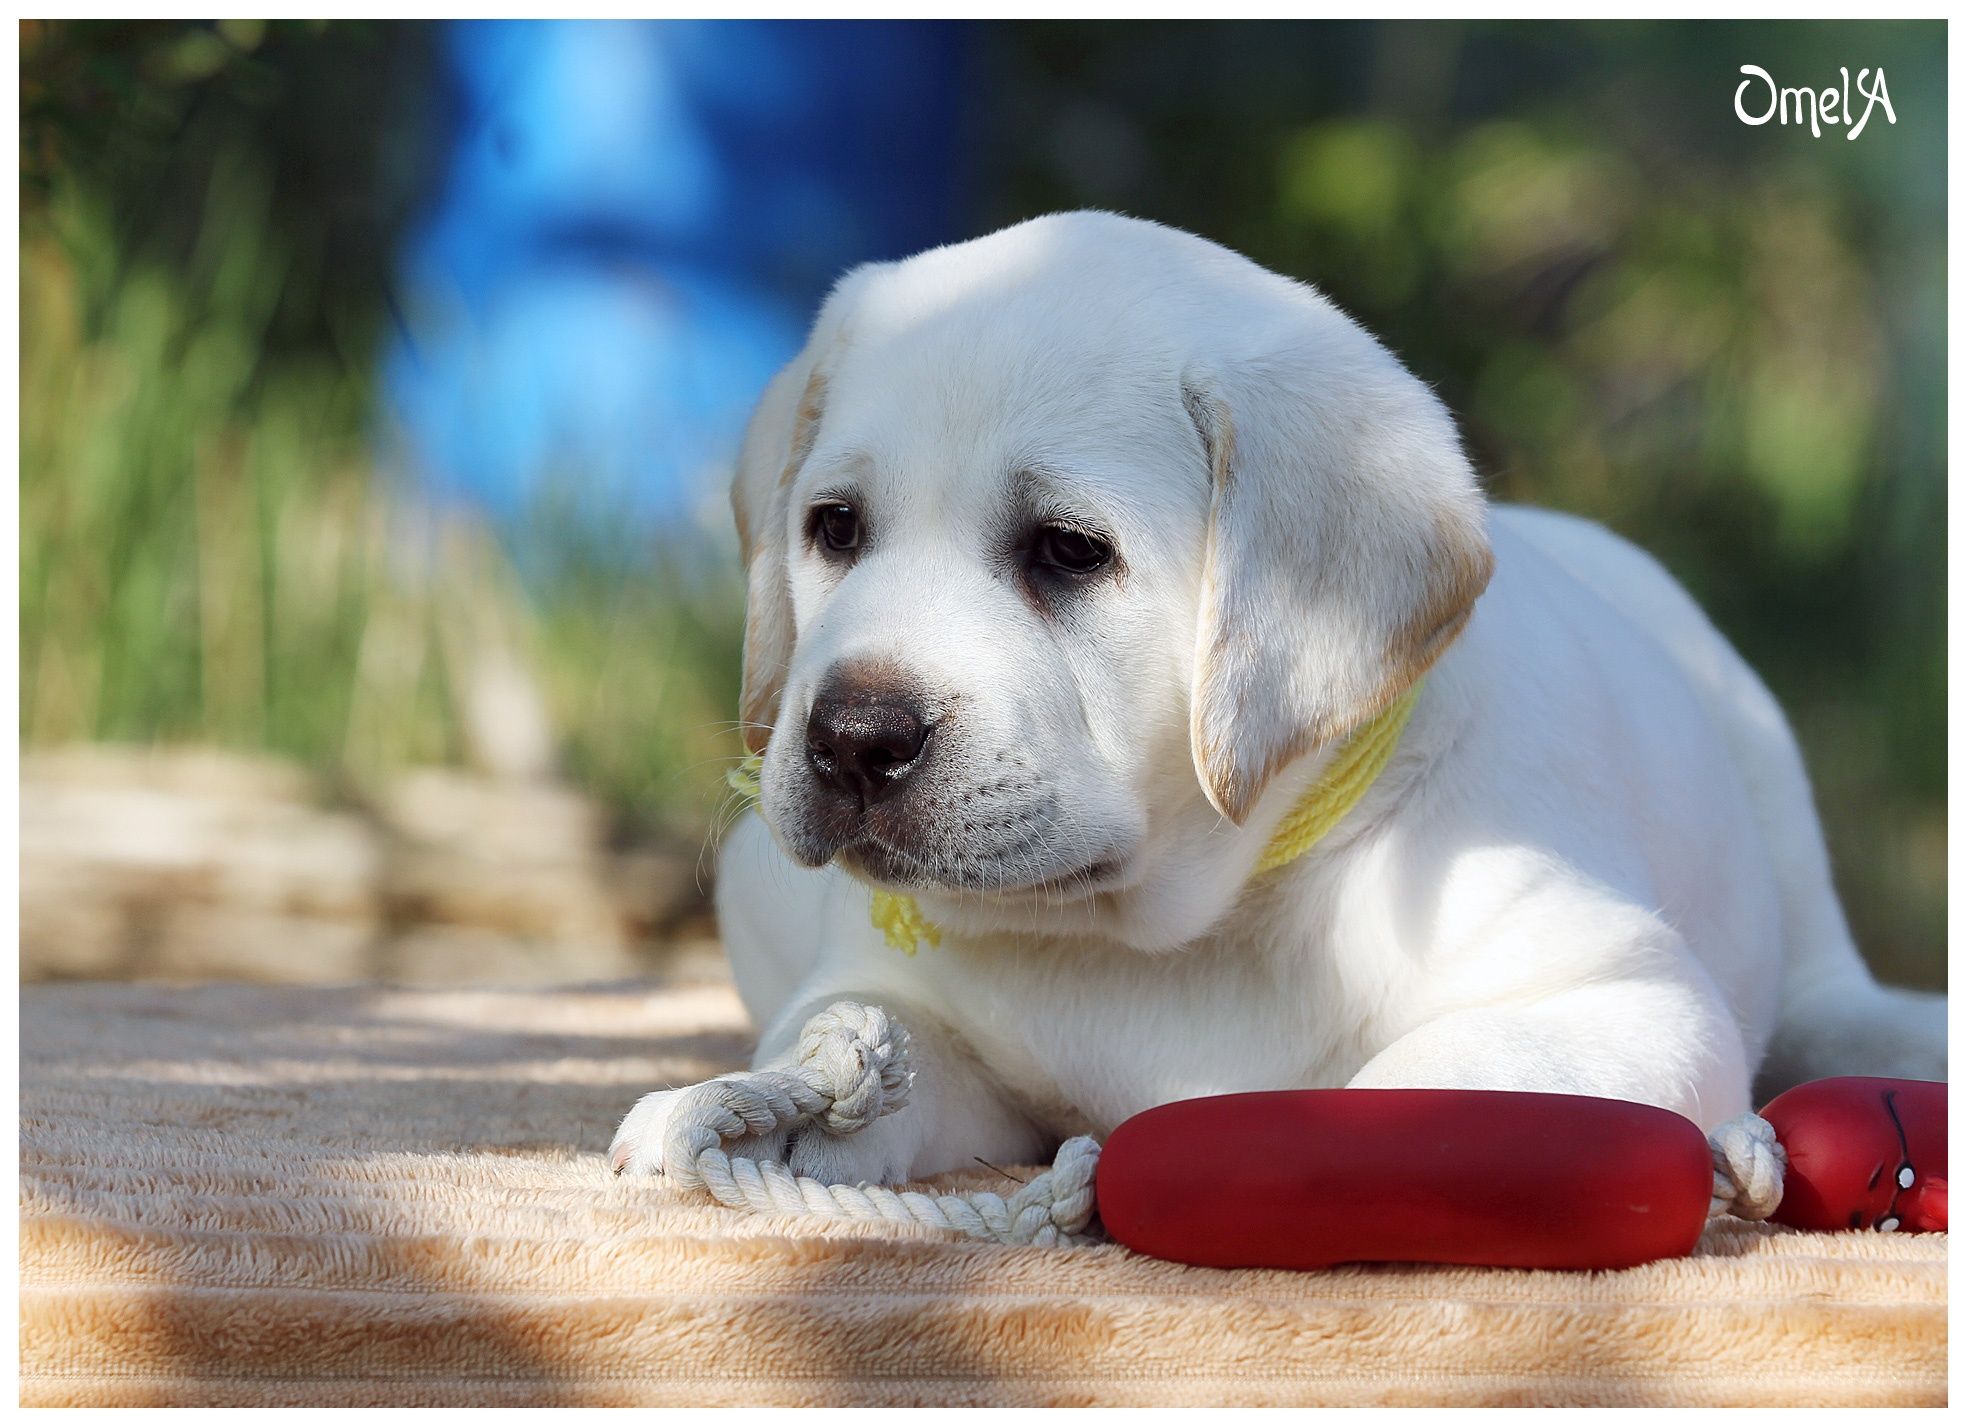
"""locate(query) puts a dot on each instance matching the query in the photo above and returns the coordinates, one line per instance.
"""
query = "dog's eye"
(837, 525)
(1073, 551)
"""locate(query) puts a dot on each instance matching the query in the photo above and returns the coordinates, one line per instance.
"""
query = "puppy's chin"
(902, 870)
(892, 847)
(876, 863)
(1022, 875)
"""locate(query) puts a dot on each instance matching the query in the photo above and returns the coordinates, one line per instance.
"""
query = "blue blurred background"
(380, 381)
(632, 226)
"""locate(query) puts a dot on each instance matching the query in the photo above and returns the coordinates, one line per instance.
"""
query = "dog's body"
(1592, 864)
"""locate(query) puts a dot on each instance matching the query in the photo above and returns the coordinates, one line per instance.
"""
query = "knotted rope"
(853, 1068)
(1749, 1169)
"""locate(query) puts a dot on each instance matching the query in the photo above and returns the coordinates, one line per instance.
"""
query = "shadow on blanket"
(376, 1196)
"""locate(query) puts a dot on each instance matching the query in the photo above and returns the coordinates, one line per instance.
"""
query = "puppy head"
(1062, 545)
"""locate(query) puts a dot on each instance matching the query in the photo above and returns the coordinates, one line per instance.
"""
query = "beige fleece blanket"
(366, 1196)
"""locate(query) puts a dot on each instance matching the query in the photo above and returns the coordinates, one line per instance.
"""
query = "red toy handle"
(1305, 1179)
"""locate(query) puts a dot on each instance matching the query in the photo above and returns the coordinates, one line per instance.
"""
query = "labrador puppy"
(1074, 554)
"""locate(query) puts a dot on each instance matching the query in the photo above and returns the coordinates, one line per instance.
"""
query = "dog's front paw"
(638, 1145)
(880, 1153)
(855, 1049)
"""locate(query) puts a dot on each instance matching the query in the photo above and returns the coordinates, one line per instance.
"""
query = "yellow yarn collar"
(1318, 811)
(1344, 783)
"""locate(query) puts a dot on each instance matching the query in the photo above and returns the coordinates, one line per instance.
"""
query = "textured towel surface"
(253, 1196)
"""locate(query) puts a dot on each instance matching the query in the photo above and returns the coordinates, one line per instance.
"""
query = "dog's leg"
(1665, 1043)
(955, 1115)
(769, 912)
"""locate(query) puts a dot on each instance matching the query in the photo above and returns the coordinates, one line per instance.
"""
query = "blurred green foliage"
(1726, 342)
(208, 551)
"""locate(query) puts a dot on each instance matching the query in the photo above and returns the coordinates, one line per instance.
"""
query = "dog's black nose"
(865, 737)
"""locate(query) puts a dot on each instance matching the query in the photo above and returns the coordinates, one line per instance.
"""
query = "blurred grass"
(1727, 343)
(209, 553)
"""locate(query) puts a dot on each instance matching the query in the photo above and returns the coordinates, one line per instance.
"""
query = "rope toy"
(853, 1068)
(1473, 1177)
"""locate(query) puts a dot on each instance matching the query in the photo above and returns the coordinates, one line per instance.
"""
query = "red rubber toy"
(1864, 1153)
(1306, 1179)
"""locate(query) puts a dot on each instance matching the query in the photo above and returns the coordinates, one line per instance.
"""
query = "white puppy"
(1075, 553)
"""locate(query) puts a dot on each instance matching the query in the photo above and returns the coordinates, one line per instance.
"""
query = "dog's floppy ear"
(777, 441)
(1346, 547)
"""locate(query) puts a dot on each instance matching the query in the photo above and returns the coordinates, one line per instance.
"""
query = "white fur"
(1592, 866)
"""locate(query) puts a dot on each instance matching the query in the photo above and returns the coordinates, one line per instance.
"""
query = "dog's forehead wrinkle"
(1084, 269)
(1028, 355)
(962, 415)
